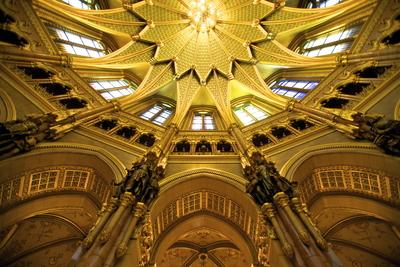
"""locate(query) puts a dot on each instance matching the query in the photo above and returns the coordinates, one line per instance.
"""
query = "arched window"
(114, 88)
(203, 121)
(83, 4)
(322, 3)
(248, 113)
(158, 114)
(77, 44)
(297, 89)
(332, 42)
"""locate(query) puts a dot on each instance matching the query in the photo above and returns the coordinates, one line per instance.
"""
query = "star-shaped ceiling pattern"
(245, 34)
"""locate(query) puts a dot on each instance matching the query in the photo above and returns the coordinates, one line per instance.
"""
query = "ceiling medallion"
(203, 15)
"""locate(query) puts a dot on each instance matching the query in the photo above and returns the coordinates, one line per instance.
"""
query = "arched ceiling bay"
(248, 36)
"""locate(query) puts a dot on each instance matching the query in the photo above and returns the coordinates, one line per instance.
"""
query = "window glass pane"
(81, 51)
(300, 84)
(87, 42)
(157, 114)
(326, 51)
(300, 95)
(107, 96)
(73, 38)
(333, 37)
(115, 93)
(93, 53)
(68, 48)
(313, 53)
(196, 126)
(290, 93)
(61, 34)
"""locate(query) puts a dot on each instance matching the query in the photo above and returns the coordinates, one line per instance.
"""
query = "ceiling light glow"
(203, 15)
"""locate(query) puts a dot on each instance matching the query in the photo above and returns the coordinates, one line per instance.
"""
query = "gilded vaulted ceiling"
(215, 64)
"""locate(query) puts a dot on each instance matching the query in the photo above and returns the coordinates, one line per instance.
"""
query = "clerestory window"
(77, 44)
(203, 121)
(330, 43)
(84, 4)
(248, 113)
(114, 88)
(297, 89)
(158, 114)
(322, 3)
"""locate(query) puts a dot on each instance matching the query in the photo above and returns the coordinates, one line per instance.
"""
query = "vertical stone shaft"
(165, 142)
(239, 138)
(137, 214)
(126, 200)
(283, 201)
(268, 210)
(99, 253)
(316, 234)
(101, 221)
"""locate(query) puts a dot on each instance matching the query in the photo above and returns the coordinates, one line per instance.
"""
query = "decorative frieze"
(350, 179)
(50, 180)
(205, 201)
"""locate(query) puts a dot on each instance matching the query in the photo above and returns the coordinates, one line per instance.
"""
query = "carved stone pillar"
(166, 140)
(127, 200)
(108, 240)
(239, 138)
(137, 214)
(299, 239)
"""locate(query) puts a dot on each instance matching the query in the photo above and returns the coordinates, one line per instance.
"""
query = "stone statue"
(153, 188)
(23, 135)
(141, 180)
(384, 133)
(265, 180)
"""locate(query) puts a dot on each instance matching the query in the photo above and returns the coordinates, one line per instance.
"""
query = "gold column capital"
(268, 209)
(281, 199)
(112, 205)
(139, 210)
(127, 199)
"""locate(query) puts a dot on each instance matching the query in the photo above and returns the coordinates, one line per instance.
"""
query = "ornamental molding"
(116, 166)
(288, 170)
(9, 107)
(232, 179)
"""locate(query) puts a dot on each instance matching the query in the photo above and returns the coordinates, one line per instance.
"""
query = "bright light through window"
(249, 114)
(113, 88)
(322, 3)
(79, 45)
(293, 88)
(330, 43)
(203, 121)
(83, 4)
(158, 114)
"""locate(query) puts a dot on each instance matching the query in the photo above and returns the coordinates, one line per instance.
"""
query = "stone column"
(239, 139)
(299, 240)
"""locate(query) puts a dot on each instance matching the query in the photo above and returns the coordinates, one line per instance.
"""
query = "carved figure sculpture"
(384, 133)
(141, 180)
(265, 180)
(23, 135)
